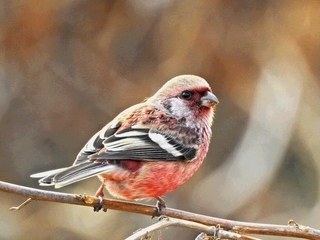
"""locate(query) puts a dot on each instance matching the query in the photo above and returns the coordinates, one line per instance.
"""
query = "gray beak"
(209, 100)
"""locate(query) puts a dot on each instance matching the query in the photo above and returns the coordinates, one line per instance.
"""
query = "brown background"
(68, 67)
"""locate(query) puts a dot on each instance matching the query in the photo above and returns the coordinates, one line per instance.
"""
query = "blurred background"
(69, 67)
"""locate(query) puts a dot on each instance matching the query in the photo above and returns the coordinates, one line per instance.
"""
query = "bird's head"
(187, 96)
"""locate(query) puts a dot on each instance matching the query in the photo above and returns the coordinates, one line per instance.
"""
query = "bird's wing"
(132, 143)
(143, 144)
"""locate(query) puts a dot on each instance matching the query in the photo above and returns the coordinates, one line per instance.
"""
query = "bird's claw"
(161, 205)
(99, 194)
(100, 206)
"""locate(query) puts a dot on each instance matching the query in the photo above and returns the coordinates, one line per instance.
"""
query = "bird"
(149, 149)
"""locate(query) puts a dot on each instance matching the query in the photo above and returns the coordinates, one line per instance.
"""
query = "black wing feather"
(96, 143)
(136, 144)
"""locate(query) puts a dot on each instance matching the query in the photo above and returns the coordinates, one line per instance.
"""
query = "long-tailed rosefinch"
(149, 149)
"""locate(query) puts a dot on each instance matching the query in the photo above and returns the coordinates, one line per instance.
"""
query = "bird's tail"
(64, 176)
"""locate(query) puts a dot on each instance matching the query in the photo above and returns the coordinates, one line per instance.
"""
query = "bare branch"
(166, 222)
(293, 229)
(173, 222)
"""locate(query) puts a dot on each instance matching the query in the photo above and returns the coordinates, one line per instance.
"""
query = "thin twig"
(291, 230)
(21, 205)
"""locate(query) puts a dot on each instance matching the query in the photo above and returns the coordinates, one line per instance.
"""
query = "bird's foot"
(161, 205)
(100, 205)
(100, 194)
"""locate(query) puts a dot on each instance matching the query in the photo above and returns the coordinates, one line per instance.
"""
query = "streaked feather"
(76, 173)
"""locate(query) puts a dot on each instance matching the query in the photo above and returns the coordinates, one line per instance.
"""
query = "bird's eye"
(186, 95)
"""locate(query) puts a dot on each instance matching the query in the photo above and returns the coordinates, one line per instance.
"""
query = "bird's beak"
(209, 100)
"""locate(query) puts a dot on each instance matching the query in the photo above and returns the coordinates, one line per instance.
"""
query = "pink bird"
(149, 149)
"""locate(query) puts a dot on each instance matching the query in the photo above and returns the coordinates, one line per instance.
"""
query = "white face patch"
(163, 143)
(179, 108)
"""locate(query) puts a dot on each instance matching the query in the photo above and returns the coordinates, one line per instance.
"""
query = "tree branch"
(293, 229)
(164, 222)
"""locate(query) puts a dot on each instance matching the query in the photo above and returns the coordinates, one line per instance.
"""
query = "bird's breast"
(150, 179)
